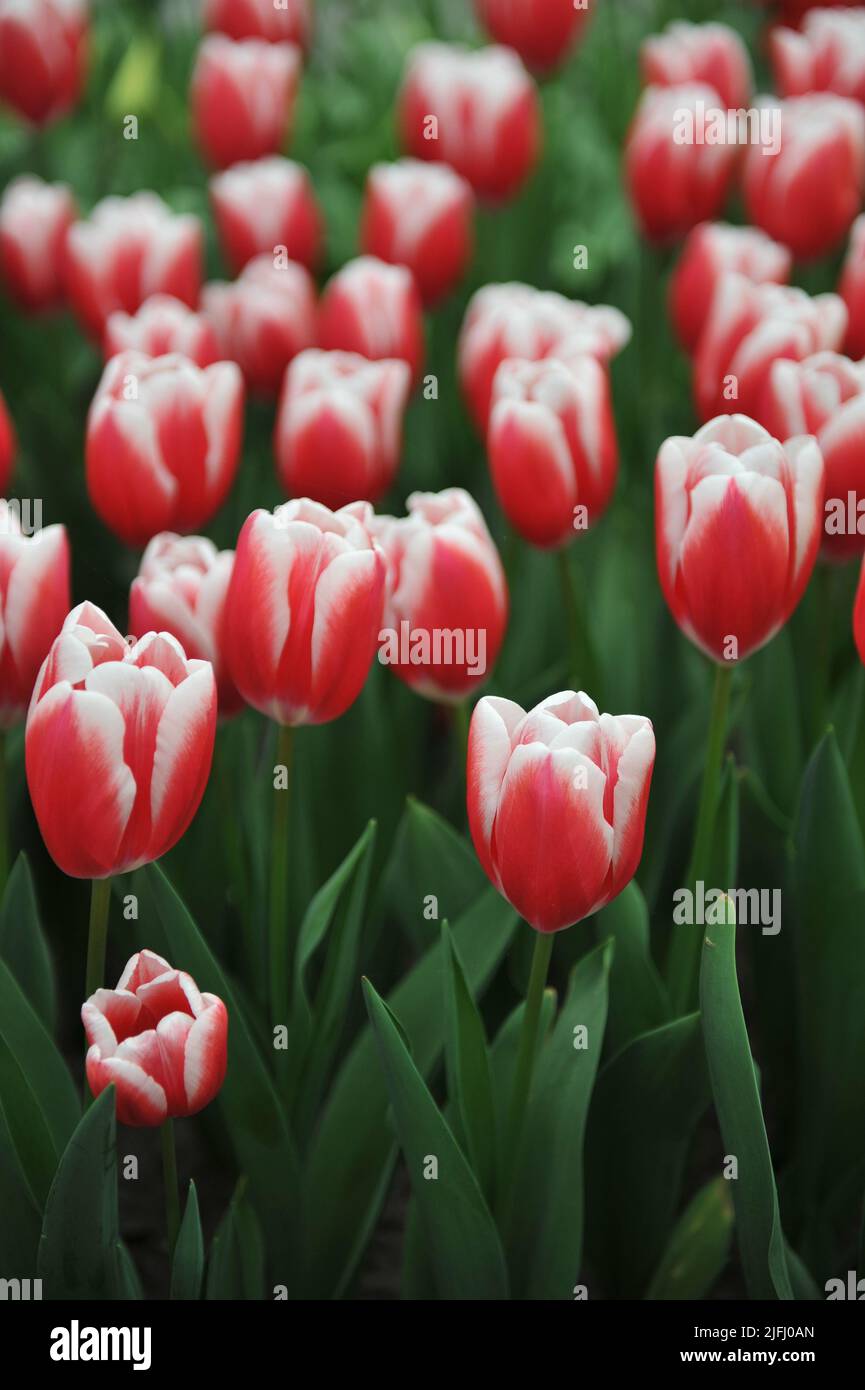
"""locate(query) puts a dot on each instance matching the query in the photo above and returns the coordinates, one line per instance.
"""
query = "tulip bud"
(519, 321)
(127, 250)
(808, 193)
(543, 32)
(476, 110)
(303, 611)
(707, 53)
(263, 319)
(374, 309)
(162, 325)
(8, 445)
(43, 56)
(552, 446)
(180, 588)
(419, 215)
(34, 220)
(158, 1040)
(266, 205)
(34, 600)
(711, 251)
(242, 97)
(163, 443)
(851, 288)
(557, 803)
(118, 745)
(738, 522)
(339, 426)
(278, 21)
(826, 55)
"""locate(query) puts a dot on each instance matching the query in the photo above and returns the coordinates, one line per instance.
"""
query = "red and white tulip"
(43, 56)
(713, 250)
(374, 309)
(288, 21)
(266, 205)
(34, 219)
(712, 53)
(543, 32)
(851, 288)
(242, 97)
(263, 319)
(162, 325)
(826, 55)
(34, 600)
(422, 216)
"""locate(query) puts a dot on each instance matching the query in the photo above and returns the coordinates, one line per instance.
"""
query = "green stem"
(172, 1191)
(462, 718)
(100, 900)
(522, 1082)
(4, 818)
(583, 668)
(279, 936)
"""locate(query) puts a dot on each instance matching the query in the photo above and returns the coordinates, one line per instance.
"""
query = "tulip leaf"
(699, 1246)
(427, 855)
(236, 1266)
(468, 1070)
(465, 1252)
(774, 720)
(187, 1269)
(503, 1053)
(638, 998)
(22, 1220)
(41, 1064)
(27, 1127)
(22, 943)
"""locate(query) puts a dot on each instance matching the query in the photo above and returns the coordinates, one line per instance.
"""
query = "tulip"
(420, 215)
(552, 446)
(707, 53)
(8, 445)
(127, 250)
(242, 97)
(339, 426)
(34, 600)
(447, 599)
(266, 205)
(851, 288)
(543, 32)
(158, 1040)
(162, 325)
(34, 220)
(476, 110)
(374, 309)
(181, 588)
(43, 54)
(520, 321)
(263, 319)
(827, 55)
(808, 193)
(711, 251)
(748, 327)
(289, 21)
(163, 443)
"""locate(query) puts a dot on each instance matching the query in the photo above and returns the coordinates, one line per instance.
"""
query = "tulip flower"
(163, 443)
(127, 250)
(181, 588)
(476, 110)
(162, 325)
(263, 319)
(851, 288)
(339, 426)
(43, 54)
(34, 600)
(266, 205)
(543, 32)
(826, 55)
(707, 53)
(808, 193)
(520, 321)
(374, 309)
(242, 97)
(420, 215)
(447, 599)
(34, 220)
(711, 251)
(552, 446)
(288, 21)
(8, 445)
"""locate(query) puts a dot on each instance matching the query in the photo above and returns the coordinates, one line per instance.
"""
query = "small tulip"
(851, 288)
(374, 309)
(34, 600)
(162, 325)
(8, 445)
(266, 205)
(263, 319)
(278, 21)
(826, 55)
(158, 1040)
(34, 220)
(118, 745)
(711, 251)
(339, 426)
(242, 97)
(43, 56)
(420, 215)
(738, 522)
(708, 53)
(543, 32)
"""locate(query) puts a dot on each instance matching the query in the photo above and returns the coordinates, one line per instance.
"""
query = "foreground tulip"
(34, 220)
(242, 97)
(374, 309)
(543, 32)
(8, 445)
(288, 21)
(339, 426)
(266, 205)
(162, 325)
(127, 250)
(826, 55)
(43, 53)
(34, 600)
(263, 319)
(447, 599)
(476, 110)
(163, 443)
(708, 53)
(711, 251)
(419, 215)
(851, 288)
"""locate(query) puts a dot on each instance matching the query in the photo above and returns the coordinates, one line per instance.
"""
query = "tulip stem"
(582, 665)
(100, 900)
(525, 1063)
(279, 943)
(172, 1191)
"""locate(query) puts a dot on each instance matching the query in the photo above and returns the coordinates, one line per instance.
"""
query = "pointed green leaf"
(22, 943)
(467, 1064)
(40, 1062)
(187, 1269)
(638, 999)
(699, 1246)
(236, 1266)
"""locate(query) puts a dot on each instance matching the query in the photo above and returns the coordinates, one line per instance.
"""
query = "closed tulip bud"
(851, 288)
(748, 327)
(738, 522)
(552, 446)
(447, 603)
(159, 1041)
(711, 251)
(118, 745)
(708, 53)
(339, 426)
(520, 321)
(263, 319)
(162, 325)
(163, 443)
(476, 110)
(420, 215)
(181, 588)
(8, 445)
(374, 309)
(43, 56)
(278, 21)
(34, 220)
(543, 32)
(826, 55)
(34, 600)
(303, 611)
(242, 97)
(808, 193)
(557, 801)
(127, 250)
(266, 205)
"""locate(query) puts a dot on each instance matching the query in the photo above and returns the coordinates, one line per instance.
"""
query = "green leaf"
(503, 1053)
(187, 1269)
(468, 1071)
(236, 1266)
(27, 1127)
(22, 943)
(39, 1061)
(638, 999)
(22, 1220)
(464, 1247)
(774, 720)
(428, 855)
(723, 867)
(699, 1247)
